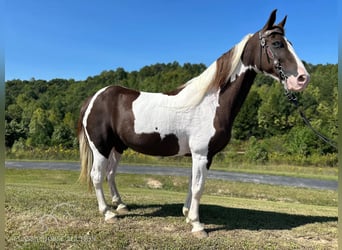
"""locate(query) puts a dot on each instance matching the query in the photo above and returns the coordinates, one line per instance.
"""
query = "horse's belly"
(157, 145)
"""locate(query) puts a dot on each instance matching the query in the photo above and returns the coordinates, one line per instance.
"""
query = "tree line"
(40, 113)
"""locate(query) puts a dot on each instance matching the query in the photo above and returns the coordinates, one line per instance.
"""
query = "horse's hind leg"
(97, 175)
(113, 163)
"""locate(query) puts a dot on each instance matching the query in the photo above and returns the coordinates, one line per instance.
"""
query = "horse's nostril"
(302, 79)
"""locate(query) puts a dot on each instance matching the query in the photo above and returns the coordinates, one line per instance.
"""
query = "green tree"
(40, 129)
(246, 123)
(62, 135)
(275, 114)
(14, 131)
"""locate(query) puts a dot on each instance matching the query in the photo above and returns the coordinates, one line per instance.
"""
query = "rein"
(283, 77)
(293, 99)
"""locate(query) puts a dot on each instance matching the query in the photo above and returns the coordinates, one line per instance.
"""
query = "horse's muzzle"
(299, 82)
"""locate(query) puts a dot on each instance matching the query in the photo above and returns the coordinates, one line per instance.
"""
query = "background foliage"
(41, 116)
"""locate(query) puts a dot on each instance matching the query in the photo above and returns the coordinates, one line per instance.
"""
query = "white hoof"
(185, 211)
(110, 217)
(197, 226)
(122, 209)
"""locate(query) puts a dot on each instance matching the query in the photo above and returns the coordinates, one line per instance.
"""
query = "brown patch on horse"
(117, 101)
(155, 145)
(231, 100)
(228, 62)
(223, 67)
(102, 127)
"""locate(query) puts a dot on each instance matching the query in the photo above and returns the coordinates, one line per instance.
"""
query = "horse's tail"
(86, 156)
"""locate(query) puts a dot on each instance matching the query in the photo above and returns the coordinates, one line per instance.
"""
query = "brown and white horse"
(195, 119)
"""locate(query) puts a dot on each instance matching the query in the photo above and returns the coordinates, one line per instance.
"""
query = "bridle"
(268, 51)
(270, 55)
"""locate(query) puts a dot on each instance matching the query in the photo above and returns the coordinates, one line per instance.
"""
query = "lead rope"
(293, 99)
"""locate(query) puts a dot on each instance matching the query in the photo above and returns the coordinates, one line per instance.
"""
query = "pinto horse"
(195, 119)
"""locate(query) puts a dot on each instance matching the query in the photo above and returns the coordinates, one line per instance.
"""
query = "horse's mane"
(211, 79)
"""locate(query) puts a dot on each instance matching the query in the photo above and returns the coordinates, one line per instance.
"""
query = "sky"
(75, 39)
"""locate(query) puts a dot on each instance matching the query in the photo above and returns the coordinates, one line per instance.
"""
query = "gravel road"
(177, 171)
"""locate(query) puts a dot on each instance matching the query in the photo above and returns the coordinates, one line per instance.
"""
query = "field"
(48, 209)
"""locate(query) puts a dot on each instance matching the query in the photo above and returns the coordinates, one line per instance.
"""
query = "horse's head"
(275, 56)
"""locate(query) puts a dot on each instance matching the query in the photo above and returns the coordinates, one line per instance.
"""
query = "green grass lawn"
(48, 209)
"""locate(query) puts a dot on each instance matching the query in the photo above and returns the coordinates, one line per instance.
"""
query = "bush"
(300, 140)
(256, 151)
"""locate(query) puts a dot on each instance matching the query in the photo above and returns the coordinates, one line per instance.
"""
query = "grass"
(47, 209)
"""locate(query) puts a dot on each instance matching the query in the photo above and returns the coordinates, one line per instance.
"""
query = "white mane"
(196, 88)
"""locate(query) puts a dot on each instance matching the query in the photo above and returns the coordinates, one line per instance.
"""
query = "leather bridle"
(268, 51)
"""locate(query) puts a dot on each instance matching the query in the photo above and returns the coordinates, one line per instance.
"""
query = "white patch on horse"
(241, 69)
(193, 126)
(298, 61)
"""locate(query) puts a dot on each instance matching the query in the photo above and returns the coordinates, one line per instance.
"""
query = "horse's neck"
(234, 94)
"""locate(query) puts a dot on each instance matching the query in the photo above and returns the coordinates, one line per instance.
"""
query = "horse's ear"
(270, 21)
(282, 23)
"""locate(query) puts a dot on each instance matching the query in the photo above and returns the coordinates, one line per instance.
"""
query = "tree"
(246, 123)
(62, 135)
(275, 114)
(40, 129)
(14, 131)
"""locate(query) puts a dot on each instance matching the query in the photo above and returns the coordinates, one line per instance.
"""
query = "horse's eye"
(278, 44)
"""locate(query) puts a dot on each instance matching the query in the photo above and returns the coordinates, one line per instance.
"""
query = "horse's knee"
(97, 176)
(97, 182)
(197, 190)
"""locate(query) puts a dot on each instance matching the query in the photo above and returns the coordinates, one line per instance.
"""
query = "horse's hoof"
(200, 234)
(122, 209)
(110, 217)
(185, 211)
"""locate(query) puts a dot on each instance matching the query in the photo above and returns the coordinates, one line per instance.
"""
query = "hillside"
(42, 114)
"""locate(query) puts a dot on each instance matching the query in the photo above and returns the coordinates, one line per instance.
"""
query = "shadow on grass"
(226, 218)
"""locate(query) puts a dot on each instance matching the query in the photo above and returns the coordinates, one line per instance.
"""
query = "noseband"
(270, 54)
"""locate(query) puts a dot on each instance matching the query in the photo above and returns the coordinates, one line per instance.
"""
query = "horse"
(193, 120)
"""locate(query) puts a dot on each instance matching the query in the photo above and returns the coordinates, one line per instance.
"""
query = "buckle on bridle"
(262, 40)
(270, 54)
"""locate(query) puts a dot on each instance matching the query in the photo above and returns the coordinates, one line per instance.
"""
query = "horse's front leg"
(199, 174)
